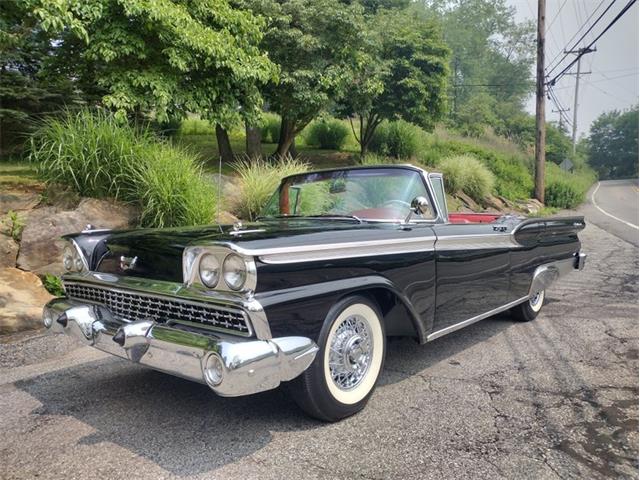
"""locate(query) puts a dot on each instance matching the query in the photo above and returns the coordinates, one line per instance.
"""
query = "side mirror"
(419, 206)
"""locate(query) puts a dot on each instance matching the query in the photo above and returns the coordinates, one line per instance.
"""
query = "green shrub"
(513, 180)
(196, 126)
(564, 189)
(397, 139)
(467, 174)
(98, 156)
(53, 284)
(327, 133)
(270, 126)
(258, 179)
(376, 159)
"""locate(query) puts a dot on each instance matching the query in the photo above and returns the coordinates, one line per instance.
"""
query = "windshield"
(382, 194)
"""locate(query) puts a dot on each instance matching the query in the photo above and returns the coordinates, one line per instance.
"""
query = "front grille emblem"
(127, 263)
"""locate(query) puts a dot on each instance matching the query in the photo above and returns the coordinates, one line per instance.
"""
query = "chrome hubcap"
(535, 299)
(350, 352)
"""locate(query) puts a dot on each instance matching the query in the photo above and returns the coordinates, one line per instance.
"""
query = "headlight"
(234, 271)
(71, 259)
(209, 270)
(68, 258)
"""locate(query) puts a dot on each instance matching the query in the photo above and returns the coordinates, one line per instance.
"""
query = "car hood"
(158, 252)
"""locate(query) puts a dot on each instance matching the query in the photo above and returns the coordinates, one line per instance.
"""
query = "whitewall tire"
(345, 371)
(529, 310)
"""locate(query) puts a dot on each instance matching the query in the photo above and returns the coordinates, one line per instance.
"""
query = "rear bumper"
(545, 275)
(230, 365)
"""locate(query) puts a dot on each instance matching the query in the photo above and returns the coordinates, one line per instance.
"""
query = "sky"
(613, 82)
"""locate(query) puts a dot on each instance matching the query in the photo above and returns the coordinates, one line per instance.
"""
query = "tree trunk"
(293, 151)
(224, 145)
(368, 127)
(254, 139)
(287, 135)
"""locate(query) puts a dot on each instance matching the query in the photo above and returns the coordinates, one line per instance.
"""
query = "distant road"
(613, 206)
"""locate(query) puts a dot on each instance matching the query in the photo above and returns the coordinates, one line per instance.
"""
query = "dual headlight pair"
(72, 260)
(233, 271)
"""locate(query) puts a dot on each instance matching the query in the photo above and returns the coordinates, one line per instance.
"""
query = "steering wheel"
(401, 203)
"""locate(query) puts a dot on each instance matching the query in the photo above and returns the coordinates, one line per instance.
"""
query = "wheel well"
(396, 316)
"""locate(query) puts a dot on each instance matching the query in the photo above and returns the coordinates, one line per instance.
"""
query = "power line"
(607, 93)
(560, 108)
(556, 16)
(606, 79)
(575, 46)
(578, 31)
(553, 64)
(588, 47)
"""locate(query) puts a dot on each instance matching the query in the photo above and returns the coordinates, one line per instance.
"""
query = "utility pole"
(540, 99)
(580, 52)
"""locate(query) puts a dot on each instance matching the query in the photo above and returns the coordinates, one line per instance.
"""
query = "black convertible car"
(308, 294)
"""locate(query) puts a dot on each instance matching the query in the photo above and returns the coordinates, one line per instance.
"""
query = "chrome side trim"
(477, 318)
(347, 250)
(476, 242)
(248, 365)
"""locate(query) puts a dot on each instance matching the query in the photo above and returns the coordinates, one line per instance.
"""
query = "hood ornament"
(237, 226)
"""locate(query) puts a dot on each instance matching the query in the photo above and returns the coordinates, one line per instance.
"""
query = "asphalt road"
(554, 398)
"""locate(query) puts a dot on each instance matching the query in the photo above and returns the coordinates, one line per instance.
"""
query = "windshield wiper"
(328, 216)
(332, 216)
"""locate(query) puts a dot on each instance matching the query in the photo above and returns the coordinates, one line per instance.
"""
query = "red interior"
(473, 217)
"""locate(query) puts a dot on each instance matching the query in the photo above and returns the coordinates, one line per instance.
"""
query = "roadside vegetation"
(99, 156)
(273, 87)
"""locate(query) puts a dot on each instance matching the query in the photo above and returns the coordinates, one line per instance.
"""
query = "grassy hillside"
(509, 164)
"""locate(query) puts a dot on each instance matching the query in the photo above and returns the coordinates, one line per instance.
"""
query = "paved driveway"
(557, 397)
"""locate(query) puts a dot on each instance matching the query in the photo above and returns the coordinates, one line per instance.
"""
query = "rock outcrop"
(22, 297)
(40, 245)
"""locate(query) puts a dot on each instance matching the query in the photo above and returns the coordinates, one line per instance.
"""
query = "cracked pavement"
(553, 398)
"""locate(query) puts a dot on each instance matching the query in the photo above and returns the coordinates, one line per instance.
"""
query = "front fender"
(302, 310)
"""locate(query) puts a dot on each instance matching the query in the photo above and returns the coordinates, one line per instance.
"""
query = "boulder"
(22, 297)
(531, 206)
(41, 246)
(16, 200)
(468, 201)
(8, 251)
(494, 203)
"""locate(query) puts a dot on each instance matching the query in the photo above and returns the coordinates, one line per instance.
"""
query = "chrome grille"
(132, 305)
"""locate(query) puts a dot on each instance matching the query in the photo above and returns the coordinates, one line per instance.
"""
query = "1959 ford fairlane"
(307, 295)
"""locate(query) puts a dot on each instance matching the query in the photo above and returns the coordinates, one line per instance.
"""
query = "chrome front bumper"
(230, 365)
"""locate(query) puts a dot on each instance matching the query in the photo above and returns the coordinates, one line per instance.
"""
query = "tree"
(492, 55)
(26, 91)
(314, 43)
(167, 57)
(401, 74)
(613, 144)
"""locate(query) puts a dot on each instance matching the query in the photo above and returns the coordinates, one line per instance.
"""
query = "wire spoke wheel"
(350, 352)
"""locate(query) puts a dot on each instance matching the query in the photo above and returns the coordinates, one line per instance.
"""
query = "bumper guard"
(231, 366)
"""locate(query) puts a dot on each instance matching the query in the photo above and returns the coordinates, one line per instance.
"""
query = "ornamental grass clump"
(465, 173)
(98, 156)
(258, 179)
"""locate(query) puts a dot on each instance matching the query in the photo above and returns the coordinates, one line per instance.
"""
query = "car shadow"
(186, 429)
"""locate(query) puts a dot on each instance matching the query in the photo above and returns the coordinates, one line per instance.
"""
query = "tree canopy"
(314, 43)
(613, 144)
(162, 56)
(400, 74)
